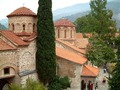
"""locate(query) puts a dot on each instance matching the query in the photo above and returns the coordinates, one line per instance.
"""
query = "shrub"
(30, 85)
(59, 83)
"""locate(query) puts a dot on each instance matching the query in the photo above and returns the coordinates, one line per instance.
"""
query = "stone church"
(18, 49)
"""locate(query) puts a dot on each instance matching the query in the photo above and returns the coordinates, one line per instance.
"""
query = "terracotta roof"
(82, 43)
(64, 22)
(22, 11)
(71, 46)
(70, 56)
(23, 34)
(5, 46)
(89, 71)
(13, 38)
(82, 35)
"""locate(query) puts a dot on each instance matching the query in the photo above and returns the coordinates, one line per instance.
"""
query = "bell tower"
(22, 20)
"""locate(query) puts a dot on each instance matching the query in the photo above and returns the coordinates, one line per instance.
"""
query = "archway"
(83, 85)
(3, 82)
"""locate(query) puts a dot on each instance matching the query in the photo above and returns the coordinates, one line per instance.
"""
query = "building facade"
(18, 50)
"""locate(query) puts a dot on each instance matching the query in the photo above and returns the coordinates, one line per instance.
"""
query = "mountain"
(113, 5)
(67, 11)
(4, 22)
(82, 7)
(2, 27)
(78, 10)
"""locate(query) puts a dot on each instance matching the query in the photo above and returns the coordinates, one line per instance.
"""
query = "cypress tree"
(45, 55)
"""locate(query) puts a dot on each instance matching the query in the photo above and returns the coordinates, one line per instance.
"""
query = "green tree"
(99, 53)
(114, 81)
(86, 24)
(105, 23)
(45, 55)
(101, 50)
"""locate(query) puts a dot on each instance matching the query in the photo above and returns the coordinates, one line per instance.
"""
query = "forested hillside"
(2, 27)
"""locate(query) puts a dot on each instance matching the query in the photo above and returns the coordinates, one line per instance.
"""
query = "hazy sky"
(7, 6)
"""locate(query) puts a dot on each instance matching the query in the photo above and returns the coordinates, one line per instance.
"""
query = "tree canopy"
(101, 49)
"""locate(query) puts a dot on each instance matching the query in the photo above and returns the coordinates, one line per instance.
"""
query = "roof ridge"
(79, 59)
(71, 46)
(13, 39)
(90, 69)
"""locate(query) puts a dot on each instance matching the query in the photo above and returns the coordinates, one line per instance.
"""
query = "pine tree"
(45, 55)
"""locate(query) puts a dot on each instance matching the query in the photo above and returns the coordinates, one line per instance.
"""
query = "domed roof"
(64, 22)
(22, 11)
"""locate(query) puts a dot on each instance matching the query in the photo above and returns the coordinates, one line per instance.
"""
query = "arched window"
(71, 33)
(23, 27)
(13, 27)
(65, 33)
(9, 26)
(58, 33)
(34, 27)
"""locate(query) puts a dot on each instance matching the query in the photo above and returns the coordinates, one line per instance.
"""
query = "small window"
(6, 70)
(13, 27)
(23, 27)
(34, 27)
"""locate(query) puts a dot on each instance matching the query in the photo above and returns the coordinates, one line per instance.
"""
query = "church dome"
(22, 11)
(64, 22)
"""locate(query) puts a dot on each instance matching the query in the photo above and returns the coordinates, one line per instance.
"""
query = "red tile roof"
(23, 34)
(64, 22)
(13, 38)
(82, 35)
(70, 56)
(89, 71)
(22, 11)
(5, 46)
(71, 46)
(82, 43)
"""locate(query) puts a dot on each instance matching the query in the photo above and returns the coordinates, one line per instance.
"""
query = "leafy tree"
(99, 53)
(101, 50)
(114, 81)
(106, 27)
(86, 24)
(45, 56)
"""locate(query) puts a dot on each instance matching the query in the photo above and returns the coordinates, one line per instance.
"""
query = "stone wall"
(64, 46)
(8, 59)
(70, 69)
(27, 61)
(27, 57)
(22, 24)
